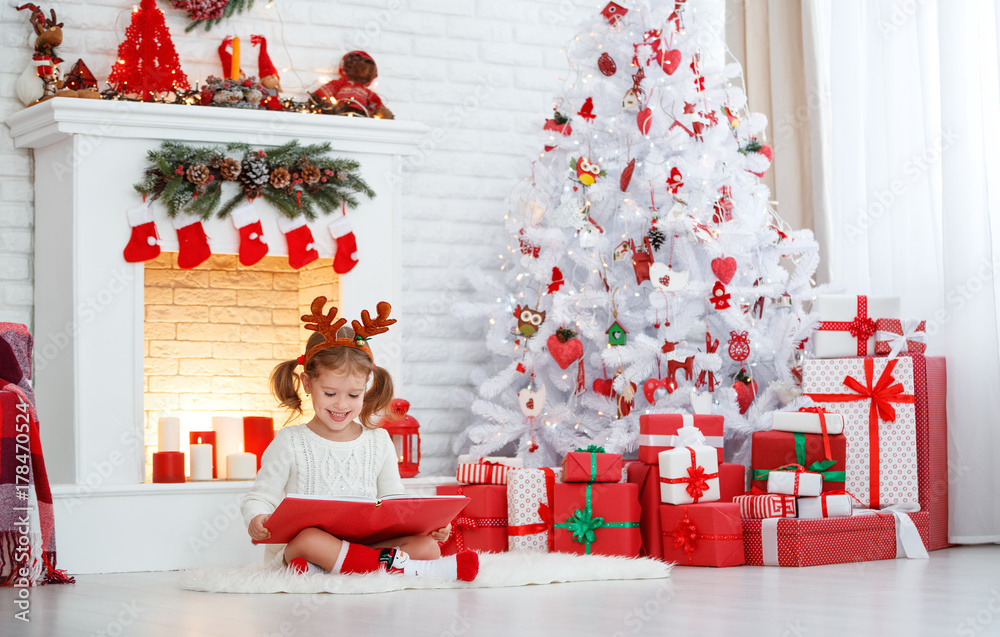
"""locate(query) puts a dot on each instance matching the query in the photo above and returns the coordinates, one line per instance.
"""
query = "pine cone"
(230, 169)
(656, 238)
(198, 174)
(310, 174)
(254, 173)
(280, 178)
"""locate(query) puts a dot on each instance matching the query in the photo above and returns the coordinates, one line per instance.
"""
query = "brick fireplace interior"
(213, 334)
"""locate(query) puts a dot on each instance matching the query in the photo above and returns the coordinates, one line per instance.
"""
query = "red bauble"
(565, 352)
(606, 64)
(746, 390)
(739, 346)
(627, 175)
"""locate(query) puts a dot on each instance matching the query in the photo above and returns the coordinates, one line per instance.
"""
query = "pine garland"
(317, 184)
(209, 13)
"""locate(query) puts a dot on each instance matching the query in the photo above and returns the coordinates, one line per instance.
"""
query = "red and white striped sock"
(357, 558)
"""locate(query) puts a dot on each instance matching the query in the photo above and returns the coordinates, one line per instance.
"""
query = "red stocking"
(301, 245)
(253, 246)
(347, 245)
(145, 242)
(192, 241)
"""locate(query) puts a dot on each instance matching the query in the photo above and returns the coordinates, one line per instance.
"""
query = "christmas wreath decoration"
(297, 180)
(210, 12)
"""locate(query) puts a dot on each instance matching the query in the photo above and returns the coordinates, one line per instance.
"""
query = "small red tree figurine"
(147, 61)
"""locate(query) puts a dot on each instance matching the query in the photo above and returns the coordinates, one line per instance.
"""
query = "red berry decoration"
(627, 175)
(739, 346)
(746, 390)
(564, 347)
(606, 64)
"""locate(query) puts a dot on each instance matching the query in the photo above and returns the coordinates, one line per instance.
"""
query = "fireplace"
(96, 321)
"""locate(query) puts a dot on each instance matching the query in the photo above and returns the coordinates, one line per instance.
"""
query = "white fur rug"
(520, 568)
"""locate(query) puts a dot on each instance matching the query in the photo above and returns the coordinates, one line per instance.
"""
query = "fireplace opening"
(213, 334)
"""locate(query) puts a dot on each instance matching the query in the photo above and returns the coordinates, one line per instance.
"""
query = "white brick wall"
(480, 73)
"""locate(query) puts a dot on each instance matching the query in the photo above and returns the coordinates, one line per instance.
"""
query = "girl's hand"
(256, 528)
(441, 535)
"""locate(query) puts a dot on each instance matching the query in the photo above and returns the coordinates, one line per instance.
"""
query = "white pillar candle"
(168, 434)
(201, 462)
(241, 466)
(228, 440)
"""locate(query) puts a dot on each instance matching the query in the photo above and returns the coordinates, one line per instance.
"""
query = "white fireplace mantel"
(88, 322)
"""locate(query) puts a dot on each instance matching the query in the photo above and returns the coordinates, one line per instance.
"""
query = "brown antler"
(369, 327)
(53, 22)
(324, 324)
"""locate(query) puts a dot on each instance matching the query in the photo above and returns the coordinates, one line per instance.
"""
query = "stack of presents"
(860, 474)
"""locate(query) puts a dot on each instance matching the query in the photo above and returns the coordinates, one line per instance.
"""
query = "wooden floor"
(956, 592)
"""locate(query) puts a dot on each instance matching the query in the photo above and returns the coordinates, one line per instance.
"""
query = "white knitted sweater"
(301, 461)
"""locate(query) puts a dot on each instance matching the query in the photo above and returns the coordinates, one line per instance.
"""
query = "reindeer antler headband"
(328, 327)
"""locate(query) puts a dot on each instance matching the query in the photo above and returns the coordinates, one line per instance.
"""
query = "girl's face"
(337, 398)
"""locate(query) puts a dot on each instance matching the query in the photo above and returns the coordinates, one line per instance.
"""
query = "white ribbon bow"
(689, 435)
(897, 342)
(908, 542)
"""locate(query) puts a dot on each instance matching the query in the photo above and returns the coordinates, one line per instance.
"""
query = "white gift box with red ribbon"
(826, 505)
(847, 323)
(894, 336)
(689, 475)
(797, 483)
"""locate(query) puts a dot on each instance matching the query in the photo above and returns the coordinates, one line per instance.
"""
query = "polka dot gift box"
(875, 396)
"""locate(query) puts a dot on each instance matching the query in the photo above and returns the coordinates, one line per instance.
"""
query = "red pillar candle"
(168, 466)
(205, 438)
(258, 432)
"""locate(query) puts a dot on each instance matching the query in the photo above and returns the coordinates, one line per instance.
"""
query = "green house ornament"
(616, 334)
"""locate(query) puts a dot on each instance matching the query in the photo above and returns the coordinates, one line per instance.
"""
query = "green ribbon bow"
(583, 525)
(593, 450)
(362, 339)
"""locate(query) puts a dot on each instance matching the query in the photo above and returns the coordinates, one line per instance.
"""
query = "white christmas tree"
(645, 261)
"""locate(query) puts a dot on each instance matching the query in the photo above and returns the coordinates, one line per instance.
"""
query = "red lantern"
(405, 433)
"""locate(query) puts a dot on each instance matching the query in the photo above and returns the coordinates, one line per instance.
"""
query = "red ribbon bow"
(822, 412)
(861, 327)
(685, 536)
(697, 479)
(882, 394)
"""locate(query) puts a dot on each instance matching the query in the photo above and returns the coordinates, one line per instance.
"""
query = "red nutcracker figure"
(349, 93)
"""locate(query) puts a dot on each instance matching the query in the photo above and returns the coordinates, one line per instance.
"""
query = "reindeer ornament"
(43, 73)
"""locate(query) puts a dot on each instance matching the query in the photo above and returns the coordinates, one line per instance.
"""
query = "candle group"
(231, 451)
(228, 436)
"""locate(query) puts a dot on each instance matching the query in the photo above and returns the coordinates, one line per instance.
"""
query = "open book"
(363, 520)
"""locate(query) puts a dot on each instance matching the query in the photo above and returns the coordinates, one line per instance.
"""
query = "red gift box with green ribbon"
(599, 518)
(773, 449)
(592, 465)
(709, 534)
(482, 525)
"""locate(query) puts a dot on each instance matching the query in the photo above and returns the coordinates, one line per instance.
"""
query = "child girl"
(341, 451)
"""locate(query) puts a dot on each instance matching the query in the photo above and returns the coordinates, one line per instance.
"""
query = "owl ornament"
(587, 173)
(528, 320)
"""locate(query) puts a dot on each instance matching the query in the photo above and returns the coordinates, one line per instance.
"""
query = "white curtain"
(909, 146)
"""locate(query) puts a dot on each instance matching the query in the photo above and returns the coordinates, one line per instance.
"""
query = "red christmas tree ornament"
(559, 123)
(720, 298)
(675, 181)
(557, 282)
(739, 346)
(644, 120)
(724, 268)
(746, 390)
(564, 347)
(80, 78)
(147, 61)
(587, 110)
(603, 386)
(613, 12)
(606, 65)
(670, 60)
(627, 175)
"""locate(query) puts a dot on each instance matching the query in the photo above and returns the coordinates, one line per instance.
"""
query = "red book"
(363, 520)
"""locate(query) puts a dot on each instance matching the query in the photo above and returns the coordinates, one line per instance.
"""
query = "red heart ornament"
(724, 268)
(530, 404)
(565, 353)
(602, 386)
(645, 120)
(670, 61)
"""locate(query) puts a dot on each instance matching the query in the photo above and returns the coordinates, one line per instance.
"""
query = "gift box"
(592, 465)
(482, 525)
(659, 432)
(894, 337)
(773, 449)
(808, 420)
(766, 505)
(875, 396)
(489, 470)
(689, 475)
(847, 325)
(797, 482)
(647, 478)
(709, 534)
(828, 505)
(530, 495)
(858, 538)
(597, 518)
(929, 387)
(732, 481)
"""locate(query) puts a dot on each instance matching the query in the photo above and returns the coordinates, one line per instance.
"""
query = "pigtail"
(285, 386)
(377, 398)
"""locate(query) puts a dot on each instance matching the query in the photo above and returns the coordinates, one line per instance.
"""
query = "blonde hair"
(285, 382)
